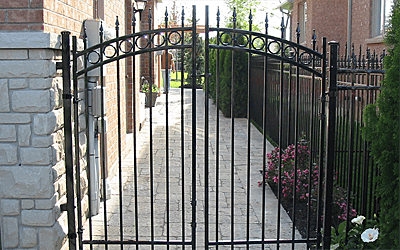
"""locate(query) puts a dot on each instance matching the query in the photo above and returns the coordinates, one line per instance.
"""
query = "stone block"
(8, 133)
(31, 101)
(37, 218)
(10, 237)
(28, 237)
(27, 204)
(18, 83)
(8, 154)
(40, 83)
(45, 124)
(42, 141)
(44, 54)
(26, 182)
(15, 118)
(27, 68)
(29, 40)
(4, 98)
(82, 144)
(13, 54)
(57, 95)
(36, 156)
(51, 238)
(45, 203)
(10, 207)
(24, 135)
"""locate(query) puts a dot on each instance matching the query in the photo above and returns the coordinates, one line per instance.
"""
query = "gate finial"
(250, 18)
(266, 22)
(297, 32)
(133, 23)
(234, 17)
(166, 17)
(283, 27)
(183, 16)
(116, 23)
(218, 14)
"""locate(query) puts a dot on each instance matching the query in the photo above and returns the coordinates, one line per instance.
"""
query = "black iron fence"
(359, 79)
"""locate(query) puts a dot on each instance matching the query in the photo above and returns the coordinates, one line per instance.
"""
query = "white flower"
(370, 235)
(359, 220)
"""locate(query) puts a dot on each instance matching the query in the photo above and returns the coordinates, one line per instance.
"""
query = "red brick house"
(360, 22)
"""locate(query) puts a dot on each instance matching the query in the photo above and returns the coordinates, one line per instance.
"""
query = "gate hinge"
(72, 236)
(67, 96)
(63, 207)
(193, 203)
(193, 224)
(58, 65)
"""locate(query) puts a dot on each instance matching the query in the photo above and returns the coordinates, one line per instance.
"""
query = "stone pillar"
(32, 180)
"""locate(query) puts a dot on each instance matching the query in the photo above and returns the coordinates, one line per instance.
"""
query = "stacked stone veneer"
(32, 180)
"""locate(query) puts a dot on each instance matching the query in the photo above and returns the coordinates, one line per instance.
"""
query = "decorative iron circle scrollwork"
(128, 44)
(290, 52)
(230, 39)
(107, 49)
(174, 38)
(246, 40)
(306, 58)
(258, 43)
(272, 50)
(90, 57)
(158, 39)
(142, 39)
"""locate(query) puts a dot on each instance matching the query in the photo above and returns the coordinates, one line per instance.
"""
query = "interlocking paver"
(171, 223)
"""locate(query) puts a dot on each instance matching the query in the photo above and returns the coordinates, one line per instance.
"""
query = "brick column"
(31, 146)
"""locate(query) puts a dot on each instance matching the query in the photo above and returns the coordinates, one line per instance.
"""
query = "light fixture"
(139, 6)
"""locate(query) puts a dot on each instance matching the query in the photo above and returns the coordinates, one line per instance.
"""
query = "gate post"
(330, 145)
(66, 76)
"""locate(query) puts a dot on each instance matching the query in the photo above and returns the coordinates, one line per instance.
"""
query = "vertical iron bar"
(102, 137)
(121, 222)
(87, 136)
(68, 138)
(206, 132)
(330, 152)
(321, 142)
(151, 141)
(248, 134)
(135, 165)
(166, 89)
(278, 230)
(350, 154)
(264, 151)
(194, 127)
(296, 138)
(233, 134)
(77, 149)
(183, 131)
(311, 142)
(217, 138)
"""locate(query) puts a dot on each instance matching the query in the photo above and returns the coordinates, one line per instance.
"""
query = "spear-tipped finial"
(250, 17)
(297, 29)
(283, 23)
(183, 14)
(150, 16)
(218, 16)
(101, 27)
(116, 23)
(133, 21)
(314, 36)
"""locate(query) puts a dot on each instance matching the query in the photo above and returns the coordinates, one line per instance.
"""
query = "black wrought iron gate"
(208, 196)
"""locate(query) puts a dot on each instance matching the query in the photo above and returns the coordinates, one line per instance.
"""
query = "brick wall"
(329, 19)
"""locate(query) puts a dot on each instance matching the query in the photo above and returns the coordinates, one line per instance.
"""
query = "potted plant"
(151, 94)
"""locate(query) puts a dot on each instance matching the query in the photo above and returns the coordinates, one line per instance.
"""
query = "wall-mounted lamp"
(139, 6)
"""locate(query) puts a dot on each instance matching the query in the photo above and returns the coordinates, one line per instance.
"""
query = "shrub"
(382, 130)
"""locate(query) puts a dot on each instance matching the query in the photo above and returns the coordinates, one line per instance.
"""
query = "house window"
(380, 16)
(302, 20)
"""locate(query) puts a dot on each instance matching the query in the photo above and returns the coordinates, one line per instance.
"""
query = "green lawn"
(175, 79)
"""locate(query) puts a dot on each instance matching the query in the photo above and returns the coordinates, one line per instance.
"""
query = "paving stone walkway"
(172, 223)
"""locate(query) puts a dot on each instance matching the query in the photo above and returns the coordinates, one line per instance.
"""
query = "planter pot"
(152, 99)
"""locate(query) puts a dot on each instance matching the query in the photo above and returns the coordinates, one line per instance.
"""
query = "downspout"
(349, 22)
